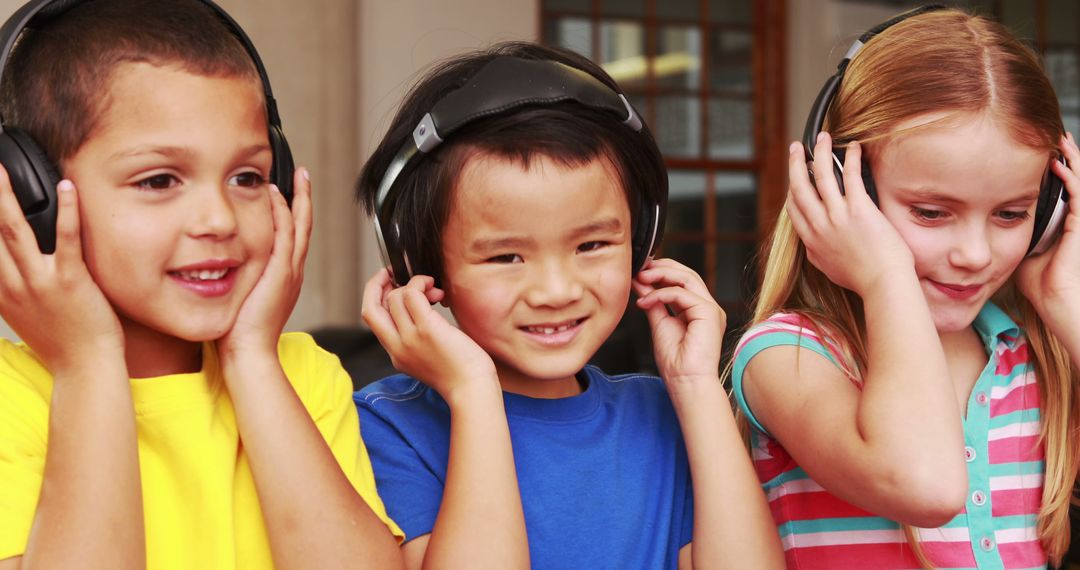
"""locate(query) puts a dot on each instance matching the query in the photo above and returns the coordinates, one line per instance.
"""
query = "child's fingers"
(397, 303)
(428, 321)
(373, 310)
(668, 272)
(655, 313)
(15, 234)
(284, 239)
(824, 173)
(641, 288)
(801, 192)
(68, 238)
(11, 278)
(798, 221)
(853, 182)
(1072, 155)
(687, 305)
(302, 214)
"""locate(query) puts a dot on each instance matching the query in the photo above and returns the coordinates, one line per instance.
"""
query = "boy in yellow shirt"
(156, 417)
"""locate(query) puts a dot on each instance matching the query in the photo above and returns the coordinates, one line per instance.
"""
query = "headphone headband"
(504, 84)
(824, 99)
(38, 12)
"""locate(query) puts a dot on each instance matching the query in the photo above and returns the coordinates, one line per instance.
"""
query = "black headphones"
(1050, 208)
(503, 85)
(34, 177)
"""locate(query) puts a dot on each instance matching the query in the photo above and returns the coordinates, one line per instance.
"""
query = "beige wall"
(819, 34)
(338, 68)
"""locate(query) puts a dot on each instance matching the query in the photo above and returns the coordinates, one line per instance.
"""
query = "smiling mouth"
(552, 328)
(201, 274)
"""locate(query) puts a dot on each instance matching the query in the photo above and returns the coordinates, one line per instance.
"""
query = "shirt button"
(986, 543)
(969, 454)
(979, 498)
(981, 398)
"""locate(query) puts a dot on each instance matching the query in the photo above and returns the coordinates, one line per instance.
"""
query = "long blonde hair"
(941, 62)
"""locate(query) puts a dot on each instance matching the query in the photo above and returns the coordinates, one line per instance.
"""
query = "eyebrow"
(605, 225)
(181, 152)
(496, 244)
(931, 195)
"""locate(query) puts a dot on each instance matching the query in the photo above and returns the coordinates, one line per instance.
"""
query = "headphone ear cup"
(393, 255)
(643, 236)
(867, 177)
(1050, 210)
(33, 178)
(281, 171)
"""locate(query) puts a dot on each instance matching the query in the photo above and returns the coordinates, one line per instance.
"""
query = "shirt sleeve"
(778, 330)
(325, 388)
(411, 481)
(24, 423)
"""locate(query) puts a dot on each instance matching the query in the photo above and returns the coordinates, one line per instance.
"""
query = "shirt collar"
(992, 323)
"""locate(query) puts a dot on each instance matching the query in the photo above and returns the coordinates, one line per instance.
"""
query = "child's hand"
(1051, 280)
(846, 236)
(686, 344)
(51, 301)
(266, 309)
(419, 340)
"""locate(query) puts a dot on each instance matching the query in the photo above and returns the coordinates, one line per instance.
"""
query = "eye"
(505, 258)
(247, 180)
(1013, 216)
(158, 182)
(928, 215)
(592, 245)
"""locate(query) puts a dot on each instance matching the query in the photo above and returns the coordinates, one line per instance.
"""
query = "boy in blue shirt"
(519, 188)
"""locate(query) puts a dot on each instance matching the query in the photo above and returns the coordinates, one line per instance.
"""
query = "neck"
(149, 353)
(516, 383)
(954, 341)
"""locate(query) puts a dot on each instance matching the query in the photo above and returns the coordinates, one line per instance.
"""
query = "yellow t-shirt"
(199, 501)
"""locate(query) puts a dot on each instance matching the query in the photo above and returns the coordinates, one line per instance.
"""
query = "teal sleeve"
(761, 338)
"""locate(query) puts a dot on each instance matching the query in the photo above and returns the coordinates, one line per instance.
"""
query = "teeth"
(551, 330)
(203, 274)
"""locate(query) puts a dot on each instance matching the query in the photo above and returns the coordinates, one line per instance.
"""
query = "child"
(176, 266)
(907, 367)
(503, 449)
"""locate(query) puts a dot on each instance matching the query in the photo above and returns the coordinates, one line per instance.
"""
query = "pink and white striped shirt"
(996, 529)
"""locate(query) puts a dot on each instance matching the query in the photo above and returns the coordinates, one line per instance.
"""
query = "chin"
(203, 332)
(950, 321)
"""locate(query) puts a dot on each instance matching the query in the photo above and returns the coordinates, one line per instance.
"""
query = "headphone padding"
(33, 178)
(281, 171)
(1051, 193)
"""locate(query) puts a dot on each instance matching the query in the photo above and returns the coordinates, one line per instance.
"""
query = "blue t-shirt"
(603, 475)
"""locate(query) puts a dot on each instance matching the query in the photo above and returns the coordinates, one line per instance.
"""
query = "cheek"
(477, 301)
(927, 245)
(113, 240)
(1012, 248)
(614, 283)
(258, 229)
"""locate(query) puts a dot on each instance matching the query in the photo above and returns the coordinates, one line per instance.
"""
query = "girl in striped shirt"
(907, 382)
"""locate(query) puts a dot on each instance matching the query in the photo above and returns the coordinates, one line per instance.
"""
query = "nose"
(971, 249)
(554, 284)
(213, 213)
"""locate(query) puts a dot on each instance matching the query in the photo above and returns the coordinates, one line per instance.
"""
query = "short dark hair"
(569, 133)
(55, 84)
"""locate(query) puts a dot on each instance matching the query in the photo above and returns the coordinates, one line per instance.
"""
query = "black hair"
(569, 133)
(55, 83)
